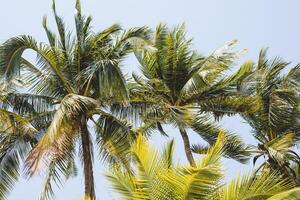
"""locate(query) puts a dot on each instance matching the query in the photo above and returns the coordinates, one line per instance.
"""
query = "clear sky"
(255, 23)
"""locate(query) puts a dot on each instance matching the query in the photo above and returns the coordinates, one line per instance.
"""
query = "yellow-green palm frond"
(293, 194)
(156, 178)
(12, 123)
(254, 187)
(200, 181)
(147, 163)
(204, 181)
(123, 183)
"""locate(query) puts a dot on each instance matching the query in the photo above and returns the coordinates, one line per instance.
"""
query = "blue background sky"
(255, 23)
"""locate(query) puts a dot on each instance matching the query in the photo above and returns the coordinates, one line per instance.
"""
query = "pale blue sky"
(255, 23)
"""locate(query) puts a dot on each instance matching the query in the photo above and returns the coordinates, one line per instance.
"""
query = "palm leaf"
(292, 194)
(60, 135)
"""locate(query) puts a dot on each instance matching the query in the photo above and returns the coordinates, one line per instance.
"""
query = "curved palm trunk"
(89, 187)
(187, 147)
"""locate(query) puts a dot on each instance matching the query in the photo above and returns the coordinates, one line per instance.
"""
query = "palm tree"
(16, 134)
(275, 121)
(155, 177)
(80, 76)
(180, 87)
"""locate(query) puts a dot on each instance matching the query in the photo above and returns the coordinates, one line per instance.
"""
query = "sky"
(211, 23)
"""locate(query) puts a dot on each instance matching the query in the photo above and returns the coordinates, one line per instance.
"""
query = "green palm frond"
(132, 39)
(279, 155)
(209, 131)
(13, 149)
(106, 35)
(60, 26)
(123, 183)
(211, 69)
(228, 105)
(24, 103)
(9, 174)
(147, 162)
(109, 78)
(114, 137)
(17, 136)
(11, 56)
(41, 80)
(50, 35)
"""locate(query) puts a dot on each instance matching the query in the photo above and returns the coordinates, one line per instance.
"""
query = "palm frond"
(57, 168)
(292, 194)
(60, 135)
(254, 187)
(11, 57)
(156, 178)
(13, 149)
(114, 137)
(234, 146)
(50, 35)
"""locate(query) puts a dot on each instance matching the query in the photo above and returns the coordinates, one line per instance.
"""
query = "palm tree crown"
(78, 76)
(181, 87)
(276, 118)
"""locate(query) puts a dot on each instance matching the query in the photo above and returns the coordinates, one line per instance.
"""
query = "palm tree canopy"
(180, 87)
(275, 120)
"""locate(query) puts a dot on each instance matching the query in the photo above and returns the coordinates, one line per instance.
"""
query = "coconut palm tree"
(156, 177)
(80, 76)
(275, 121)
(180, 87)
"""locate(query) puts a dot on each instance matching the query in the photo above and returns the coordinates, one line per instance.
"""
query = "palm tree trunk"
(187, 147)
(89, 188)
